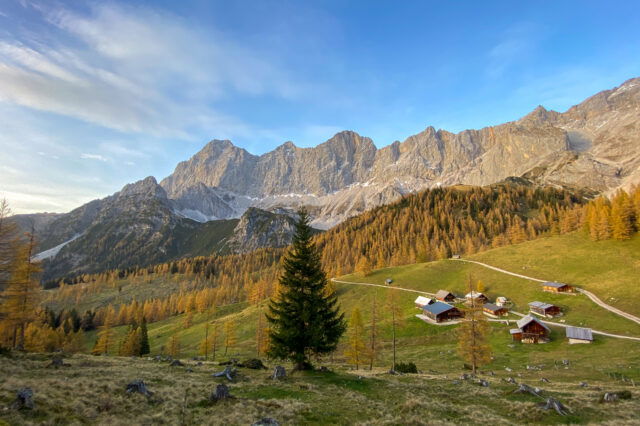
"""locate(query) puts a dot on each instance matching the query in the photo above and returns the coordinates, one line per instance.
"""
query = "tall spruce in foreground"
(305, 319)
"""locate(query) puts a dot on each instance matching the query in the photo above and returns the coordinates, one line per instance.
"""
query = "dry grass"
(91, 390)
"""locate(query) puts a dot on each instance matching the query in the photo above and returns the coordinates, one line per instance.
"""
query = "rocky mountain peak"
(147, 188)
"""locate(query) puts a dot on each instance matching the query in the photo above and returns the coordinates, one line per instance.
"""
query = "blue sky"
(94, 95)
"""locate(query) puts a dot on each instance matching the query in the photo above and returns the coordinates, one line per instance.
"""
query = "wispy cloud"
(98, 157)
(517, 43)
(134, 70)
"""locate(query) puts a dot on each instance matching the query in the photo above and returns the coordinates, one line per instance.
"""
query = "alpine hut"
(554, 287)
(532, 330)
(441, 312)
(476, 298)
(494, 310)
(445, 296)
(544, 309)
(422, 301)
(579, 335)
(502, 301)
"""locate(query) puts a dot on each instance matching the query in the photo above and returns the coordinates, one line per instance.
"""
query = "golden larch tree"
(21, 296)
(473, 344)
(355, 352)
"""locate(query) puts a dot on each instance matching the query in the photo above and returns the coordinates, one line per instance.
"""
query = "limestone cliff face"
(595, 144)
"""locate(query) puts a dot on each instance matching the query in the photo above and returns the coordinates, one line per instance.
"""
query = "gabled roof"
(437, 308)
(554, 284)
(473, 295)
(492, 307)
(528, 319)
(515, 331)
(579, 333)
(441, 294)
(421, 300)
(541, 305)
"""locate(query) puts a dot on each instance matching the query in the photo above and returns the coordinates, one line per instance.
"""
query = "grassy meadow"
(91, 390)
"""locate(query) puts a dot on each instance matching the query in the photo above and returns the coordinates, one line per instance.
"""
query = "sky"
(97, 94)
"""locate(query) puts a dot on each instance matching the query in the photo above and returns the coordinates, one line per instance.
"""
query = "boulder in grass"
(24, 400)
(220, 394)
(57, 362)
(138, 386)
(615, 396)
(554, 404)
(279, 373)
(176, 363)
(229, 372)
(254, 364)
(267, 421)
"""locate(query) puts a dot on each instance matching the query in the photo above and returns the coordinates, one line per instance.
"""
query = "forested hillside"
(430, 225)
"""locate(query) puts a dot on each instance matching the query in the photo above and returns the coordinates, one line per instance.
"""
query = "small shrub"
(408, 367)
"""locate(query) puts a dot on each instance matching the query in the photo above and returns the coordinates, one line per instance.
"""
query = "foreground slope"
(339, 397)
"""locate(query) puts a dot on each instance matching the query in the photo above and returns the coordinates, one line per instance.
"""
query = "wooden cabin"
(554, 287)
(545, 309)
(445, 296)
(494, 310)
(476, 298)
(455, 256)
(579, 335)
(533, 330)
(441, 312)
(422, 301)
(502, 301)
(516, 334)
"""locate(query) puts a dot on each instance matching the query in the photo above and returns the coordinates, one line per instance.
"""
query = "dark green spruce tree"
(144, 338)
(304, 320)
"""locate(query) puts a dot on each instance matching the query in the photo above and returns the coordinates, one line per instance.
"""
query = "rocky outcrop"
(258, 228)
(594, 144)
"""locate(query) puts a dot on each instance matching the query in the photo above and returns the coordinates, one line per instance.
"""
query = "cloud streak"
(135, 70)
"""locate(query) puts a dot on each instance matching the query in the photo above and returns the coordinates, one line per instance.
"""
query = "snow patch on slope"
(52, 252)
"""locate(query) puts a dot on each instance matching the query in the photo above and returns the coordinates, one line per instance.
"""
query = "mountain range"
(593, 145)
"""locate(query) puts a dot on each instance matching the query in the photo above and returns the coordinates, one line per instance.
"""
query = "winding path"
(384, 286)
(557, 324)
(587, 293)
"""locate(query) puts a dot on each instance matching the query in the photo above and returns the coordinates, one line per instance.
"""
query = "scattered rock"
(483, 383)
(554, 404)
(232, 361)
(508, 369)
(324, 369)
(465, 376)
(229, 372)
(24, 400)
(221, 393)
(199, 363)
(279, 373)
(615, 396)
(267, 421)
(176, 363)
(544, 380)
(138, 386)
(254, 364)
(583, 384)
(189, 370)
(523, 388)
(57, 362)
(511, 380)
